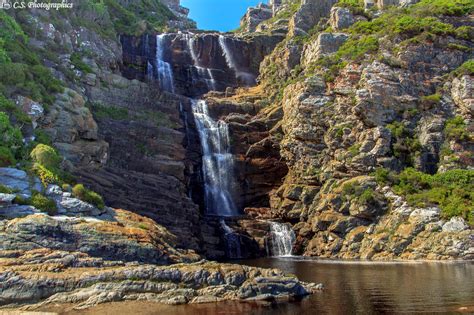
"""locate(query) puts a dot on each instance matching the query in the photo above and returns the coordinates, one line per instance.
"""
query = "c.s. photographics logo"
(20, 5)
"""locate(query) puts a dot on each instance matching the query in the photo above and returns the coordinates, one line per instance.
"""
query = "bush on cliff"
(452, 191)
(87, 195)
(11, 141)
(46, 156)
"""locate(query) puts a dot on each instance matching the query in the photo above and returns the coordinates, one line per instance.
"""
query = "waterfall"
(163, 68)
(229, 58)
(232, 241)
(282, 239)
(203, 72)
(244, 76)
(217, 162)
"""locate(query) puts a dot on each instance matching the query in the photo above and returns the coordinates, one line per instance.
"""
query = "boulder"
(33, 109)
(341, 18)
(456, 224)
(19, 181)
(326, 44)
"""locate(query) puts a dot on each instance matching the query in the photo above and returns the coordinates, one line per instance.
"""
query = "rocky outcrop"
(341, 18)
(325, 45)
(254, 17)
(309, 14)
(200, 62)
(59, 280)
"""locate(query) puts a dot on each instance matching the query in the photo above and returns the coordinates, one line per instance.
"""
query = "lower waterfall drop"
(232, 241)
(282, 239)
(217, 162)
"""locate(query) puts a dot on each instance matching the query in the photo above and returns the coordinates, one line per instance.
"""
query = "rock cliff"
(348, 121)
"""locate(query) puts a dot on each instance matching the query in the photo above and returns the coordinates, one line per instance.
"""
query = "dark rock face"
(148, 168)
(199, 62)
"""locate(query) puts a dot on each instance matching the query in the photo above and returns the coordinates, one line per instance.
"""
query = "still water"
(350, 288)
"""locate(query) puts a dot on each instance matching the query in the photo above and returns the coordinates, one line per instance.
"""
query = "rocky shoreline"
(38, 279)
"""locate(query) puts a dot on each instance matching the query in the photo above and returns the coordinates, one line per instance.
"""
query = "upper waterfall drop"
(228, 54)
(164, 71)
(203, 72)
(217, 162)
(282, 239)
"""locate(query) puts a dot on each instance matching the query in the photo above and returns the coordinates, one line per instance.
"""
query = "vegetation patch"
(456, 129)
(88, 196)
(452, 191)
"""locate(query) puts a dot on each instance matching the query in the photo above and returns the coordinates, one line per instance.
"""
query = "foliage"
(80, 65)
(362, 195)
(128, 19)
(46, 156)
(466, 68)
(108, 111)
(355, 49)
(16, 57)
(5, 190)
(43, 203)
(87, 195)
(452, 191)
(456, 129)
(46, 175)
(356, 6)
(446, 7)
(6, 157)
(11, 141)
(405, 143)
(431, 100)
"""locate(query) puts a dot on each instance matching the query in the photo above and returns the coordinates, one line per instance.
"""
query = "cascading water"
(232, 241)
(282, 239)
(163, 69)
(217, 162)
(245, 77)
(203, 72)
(229, 58)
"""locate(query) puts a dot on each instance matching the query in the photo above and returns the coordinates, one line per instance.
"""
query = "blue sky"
(219, 15)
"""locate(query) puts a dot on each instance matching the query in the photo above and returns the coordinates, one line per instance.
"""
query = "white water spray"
(282, 239)
(163, 68)
(217, 160)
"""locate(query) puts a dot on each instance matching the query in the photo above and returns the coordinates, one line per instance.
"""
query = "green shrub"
(465, 32)
(382, 176)
(452, 191)
(446, 7)
(5, 190)
(465, 68)
(46, 175)
(6, 157)
(46, 156)
(11, 140)
(66, 187)
(112, 112)
(355, 49)
(80, 65)
(87, 195)
(44, 204)
(42, 137)
(431, 99)
(456, 129)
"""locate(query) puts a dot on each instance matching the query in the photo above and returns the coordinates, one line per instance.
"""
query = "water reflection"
(351, 288)
(379, 288)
